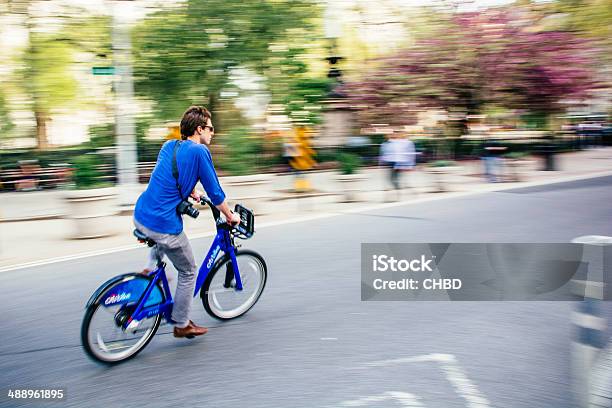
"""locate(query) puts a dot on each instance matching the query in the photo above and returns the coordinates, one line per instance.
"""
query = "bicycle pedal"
(132, 326)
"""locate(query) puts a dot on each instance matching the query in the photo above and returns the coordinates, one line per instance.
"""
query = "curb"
(289, 196)
(323, 214)
(42, 217)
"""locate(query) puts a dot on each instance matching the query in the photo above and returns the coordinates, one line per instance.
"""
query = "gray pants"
(178, 249)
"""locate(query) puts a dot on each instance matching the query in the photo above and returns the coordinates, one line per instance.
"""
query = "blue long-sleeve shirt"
(156, 206)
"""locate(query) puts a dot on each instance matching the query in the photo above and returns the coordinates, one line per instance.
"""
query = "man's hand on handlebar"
(235, 220)
(231, 218)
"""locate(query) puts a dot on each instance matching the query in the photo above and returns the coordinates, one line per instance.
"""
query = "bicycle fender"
(106, 285)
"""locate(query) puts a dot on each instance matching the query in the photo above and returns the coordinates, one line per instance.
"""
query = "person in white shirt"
(398, 154)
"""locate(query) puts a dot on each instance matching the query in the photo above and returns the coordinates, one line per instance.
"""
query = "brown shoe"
(190, 331)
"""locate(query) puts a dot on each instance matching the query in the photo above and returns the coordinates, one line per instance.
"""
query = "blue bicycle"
(123, 314)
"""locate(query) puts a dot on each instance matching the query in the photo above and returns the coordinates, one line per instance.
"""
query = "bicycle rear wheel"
(219, 296)
(102, 335)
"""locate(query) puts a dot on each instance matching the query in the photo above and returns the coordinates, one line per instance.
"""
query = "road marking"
(454, 373)
(294, 220)
(405, 399)
(492, 188)
(593, 240)
(329, 338)
(86, 255)
(65, 258)
(589, 321)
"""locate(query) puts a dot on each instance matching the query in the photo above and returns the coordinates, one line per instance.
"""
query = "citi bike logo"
(212, 257)
(117, 298)
(383, 263)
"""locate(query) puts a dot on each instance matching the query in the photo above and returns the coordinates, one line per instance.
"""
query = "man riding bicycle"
(159, 209)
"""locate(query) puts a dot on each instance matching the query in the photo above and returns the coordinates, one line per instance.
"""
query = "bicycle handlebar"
(243, 230)
(216, 214)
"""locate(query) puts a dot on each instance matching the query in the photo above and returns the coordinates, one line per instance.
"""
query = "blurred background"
(109, 80)
(319, 107)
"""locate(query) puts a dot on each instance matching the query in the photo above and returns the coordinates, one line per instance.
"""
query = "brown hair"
(192, 118)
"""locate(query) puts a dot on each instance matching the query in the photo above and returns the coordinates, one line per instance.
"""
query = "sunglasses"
(211, 128)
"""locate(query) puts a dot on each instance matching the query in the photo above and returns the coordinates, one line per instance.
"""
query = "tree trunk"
(41, 130)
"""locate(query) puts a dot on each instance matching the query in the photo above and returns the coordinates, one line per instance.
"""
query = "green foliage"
(6, 125)
(442, 163)
(47, 75)
(588, 17)
(10, 158)
(91, 34)
(515, 155)
(303, 103)
(241, 152)
(102, 136)
(324, 155)
(291, 85)
(184, 55)
(349, 162)
(46, 65)
(535, 120)
(86, 174)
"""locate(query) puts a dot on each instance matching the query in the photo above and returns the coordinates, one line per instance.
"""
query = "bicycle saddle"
(142, 237)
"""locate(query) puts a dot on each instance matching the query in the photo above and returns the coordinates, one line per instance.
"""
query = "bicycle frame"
(222, 242)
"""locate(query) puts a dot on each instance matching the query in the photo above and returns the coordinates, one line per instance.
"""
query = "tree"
(47, 60)
(477, 60)
(184, 55)
(292, 85)
(47, 79)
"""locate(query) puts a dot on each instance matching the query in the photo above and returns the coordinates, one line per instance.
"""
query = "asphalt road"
(310, 341)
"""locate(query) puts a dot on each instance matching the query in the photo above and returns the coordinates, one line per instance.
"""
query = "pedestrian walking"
(491, 157)
(406, 161)
(398, 155)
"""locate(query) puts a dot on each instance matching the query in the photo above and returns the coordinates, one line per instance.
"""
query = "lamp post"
(333, 30)
(126, 153)
(336, 113)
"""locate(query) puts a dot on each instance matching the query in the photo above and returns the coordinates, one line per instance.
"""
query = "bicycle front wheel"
(219, 295)
(102, 333)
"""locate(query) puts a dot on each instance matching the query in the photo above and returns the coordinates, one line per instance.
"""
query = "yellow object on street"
(304, 157)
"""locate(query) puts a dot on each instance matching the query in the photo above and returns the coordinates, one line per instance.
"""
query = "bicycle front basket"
(246, 228)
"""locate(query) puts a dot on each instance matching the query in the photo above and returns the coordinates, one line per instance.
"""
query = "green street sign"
(103, 70)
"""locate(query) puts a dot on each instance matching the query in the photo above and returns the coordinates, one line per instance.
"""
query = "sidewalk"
(32, 228)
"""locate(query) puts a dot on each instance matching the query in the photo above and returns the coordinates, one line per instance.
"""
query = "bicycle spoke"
(108, 341)
(229, 302)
